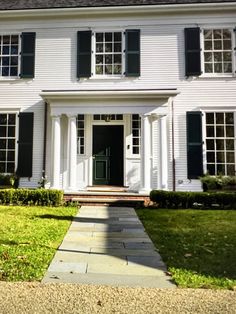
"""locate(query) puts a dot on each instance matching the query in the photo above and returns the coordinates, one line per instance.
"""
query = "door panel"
(108, 155)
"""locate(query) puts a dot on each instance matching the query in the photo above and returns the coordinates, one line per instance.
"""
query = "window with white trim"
(9, 55)
(80, 135)
(218, 51)
(136, 134)
(108, 53)
(7, 142)
(220, 143)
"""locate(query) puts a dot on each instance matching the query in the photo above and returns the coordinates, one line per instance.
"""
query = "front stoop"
(107, 198)
(108, 246)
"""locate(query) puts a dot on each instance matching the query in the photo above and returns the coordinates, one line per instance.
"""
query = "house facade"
(137, 94)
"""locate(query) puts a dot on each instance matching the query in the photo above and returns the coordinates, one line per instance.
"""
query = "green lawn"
(29, 237)
(198, 246)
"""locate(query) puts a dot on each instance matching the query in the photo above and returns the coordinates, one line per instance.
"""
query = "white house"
(137, 93)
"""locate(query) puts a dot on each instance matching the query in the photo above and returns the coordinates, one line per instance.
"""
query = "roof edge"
(116, 10)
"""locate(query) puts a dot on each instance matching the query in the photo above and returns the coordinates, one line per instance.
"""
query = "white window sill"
(217, 76)
(6, 79)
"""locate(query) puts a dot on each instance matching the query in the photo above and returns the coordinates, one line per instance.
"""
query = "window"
(108, 53)
(7, 142)
(220, 143)
(136, 134)
(9, 55)
(218, 52)
(80, 135)
(209, 51)
(102, 54)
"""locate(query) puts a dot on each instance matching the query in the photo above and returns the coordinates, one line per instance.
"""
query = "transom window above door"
(108, 53)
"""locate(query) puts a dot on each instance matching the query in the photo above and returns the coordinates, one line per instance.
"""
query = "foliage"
(217, 182)
(199, 247)
(170, 199)
(29, 239)
(31, 197)
(8, 180)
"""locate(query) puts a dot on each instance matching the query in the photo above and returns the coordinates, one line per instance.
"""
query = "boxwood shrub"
(42, 197)
(169, 199)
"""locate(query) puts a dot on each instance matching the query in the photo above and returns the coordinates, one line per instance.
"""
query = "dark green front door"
(108, 157)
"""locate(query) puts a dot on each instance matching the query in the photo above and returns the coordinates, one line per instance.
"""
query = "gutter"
(121, 10)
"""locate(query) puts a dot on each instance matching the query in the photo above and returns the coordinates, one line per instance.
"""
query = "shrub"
(31, 197)
(217, 182)
(169, 199)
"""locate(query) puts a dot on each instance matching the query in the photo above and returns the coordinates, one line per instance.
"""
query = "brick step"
(118, 199)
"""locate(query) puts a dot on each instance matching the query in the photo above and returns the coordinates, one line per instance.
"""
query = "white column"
(145, 153)
(56, 151)
(163, 154)
(72, 152)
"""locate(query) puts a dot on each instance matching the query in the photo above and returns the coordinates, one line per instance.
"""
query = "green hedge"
(42, 197)
(169, 199)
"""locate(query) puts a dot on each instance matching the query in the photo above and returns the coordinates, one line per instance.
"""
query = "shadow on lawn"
(47, 216)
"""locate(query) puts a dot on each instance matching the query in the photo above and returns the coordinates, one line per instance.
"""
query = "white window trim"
(233, 34)
(13, 78)
(212, 110)
(93, 46)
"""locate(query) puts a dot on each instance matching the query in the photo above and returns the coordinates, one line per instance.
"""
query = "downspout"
(44, 144)
(173, 146)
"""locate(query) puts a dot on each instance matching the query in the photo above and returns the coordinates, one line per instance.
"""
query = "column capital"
(56, 116)
(71, 116)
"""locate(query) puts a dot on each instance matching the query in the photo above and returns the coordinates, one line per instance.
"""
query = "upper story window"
(217, 51)
(108, 53)
(17, 55)
(9, 55)
(209, 52)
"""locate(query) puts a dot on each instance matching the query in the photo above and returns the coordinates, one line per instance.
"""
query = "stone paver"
(108, 245)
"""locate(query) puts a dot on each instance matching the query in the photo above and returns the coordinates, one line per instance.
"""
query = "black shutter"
(27, 55)
(25, 144)
(84, 54)
(194, 144)
(192, 51)
(132, 52)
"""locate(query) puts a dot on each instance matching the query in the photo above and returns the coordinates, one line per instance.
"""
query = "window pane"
(229, 131)
(227, 45)
(230, 144)
(220, 169)
(219, 118)
(108, 69)
(220, 145)
(210, 118)
(220, 131)
(230, 157)
(231, 170)
(208, 45)
(117, 36)
(211, 169)
(220, 157)
(108, 37)
(108, 47)
(210, 131)
(229, 118)
(210, 144)
(10, 167)
(218, 67)
(208, 68)
(3, 131)
(210, 157)
(99, 37)
(3, 118)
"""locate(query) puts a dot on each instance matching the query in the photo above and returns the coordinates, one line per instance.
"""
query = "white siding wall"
(162, 66)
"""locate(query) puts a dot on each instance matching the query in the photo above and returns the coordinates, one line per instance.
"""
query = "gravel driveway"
(37, 298)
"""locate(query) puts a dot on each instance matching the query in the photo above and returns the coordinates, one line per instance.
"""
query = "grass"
(198, 246)
(29, 237)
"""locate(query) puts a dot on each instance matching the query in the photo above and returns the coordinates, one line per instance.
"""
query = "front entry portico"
(123, 153)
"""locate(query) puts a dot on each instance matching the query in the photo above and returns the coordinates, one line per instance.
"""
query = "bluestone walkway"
(108, 245)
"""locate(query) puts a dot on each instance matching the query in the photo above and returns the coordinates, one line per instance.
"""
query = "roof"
(52, 4)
